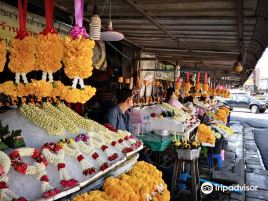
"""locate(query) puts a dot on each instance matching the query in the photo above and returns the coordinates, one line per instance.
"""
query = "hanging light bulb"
(109, 34)
(238, 68)
(95, 25)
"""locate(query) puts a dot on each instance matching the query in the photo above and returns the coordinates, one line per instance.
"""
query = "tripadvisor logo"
(206, 188)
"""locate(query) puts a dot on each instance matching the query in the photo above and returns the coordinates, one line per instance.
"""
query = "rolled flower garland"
(62, 119)
(7, 194)
(72, 149)
(38, 169)
(2, 54)
(42, 119)
(55, 155)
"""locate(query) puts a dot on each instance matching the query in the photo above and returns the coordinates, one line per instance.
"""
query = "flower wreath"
(55, 155)
(6, 193)
(38, 169)
(72, 149)
(84, 141)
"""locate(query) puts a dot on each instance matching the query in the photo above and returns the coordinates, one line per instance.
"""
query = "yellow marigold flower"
(2, 54)
(23, 55)
(41, 88)
(49, 52)
(79, 95)
(119, 190)
(187, 86)
(77, 57)
(205, 87)
(197, 86)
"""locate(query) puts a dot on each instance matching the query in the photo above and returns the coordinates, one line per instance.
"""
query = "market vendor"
(172, 99)
(119, 116)
(188, 103)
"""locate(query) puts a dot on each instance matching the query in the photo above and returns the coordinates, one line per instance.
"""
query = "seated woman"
(172, 99)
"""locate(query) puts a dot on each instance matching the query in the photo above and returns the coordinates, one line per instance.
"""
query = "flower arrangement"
(41, 88)
(62, 119)
(55, 155)
(38, 169)
(222, 115)
(205, 134)
(72, 149)
(6, 194)
(143, 183)
(186, 144)
(42, 119)
(205, 87)
(93, 196)
(49, 54)
(119, 190)
(22, 57)
(73, 95)
(77, 57)
(198, 86)
(2, 54)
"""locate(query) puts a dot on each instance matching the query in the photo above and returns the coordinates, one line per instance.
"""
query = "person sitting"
(172, 99)
(119, 116)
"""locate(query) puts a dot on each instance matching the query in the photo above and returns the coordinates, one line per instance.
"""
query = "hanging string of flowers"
(55, 155)
(77, 58)
(6, 193)
(2, 54)
(49, 46)
(22, 48)
(38, 169)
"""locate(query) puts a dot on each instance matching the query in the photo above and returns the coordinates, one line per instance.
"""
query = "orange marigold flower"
(2, 54)
(22, 55)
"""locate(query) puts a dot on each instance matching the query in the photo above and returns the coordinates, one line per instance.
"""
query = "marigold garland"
(206, 87)
(23, 55)
(93, 196)
(77, 57)
(49, 54)
(222, 115)
(41, 88)
(2, 54)
(79, 95)
(197, 86)
(119, 190)
(205, 134)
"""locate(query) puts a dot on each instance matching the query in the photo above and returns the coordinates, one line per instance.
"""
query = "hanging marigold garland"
(38, 169)
(2, 54)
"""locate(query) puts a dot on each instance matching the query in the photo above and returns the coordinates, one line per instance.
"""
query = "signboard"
(9, 23)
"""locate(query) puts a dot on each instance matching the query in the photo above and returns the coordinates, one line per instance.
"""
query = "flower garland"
(2, 54)
(205, 134)
(77, 57)
(55, 155)
(49, 54)
(38, 169)
(72, 149)
(62, 119)
(197, 86)
(205, 87)
(73, 95)
(119, 190)
(87, 124)
(41, 88)
(22, 57)
(4, 190)
(42, 119)
(93, 196)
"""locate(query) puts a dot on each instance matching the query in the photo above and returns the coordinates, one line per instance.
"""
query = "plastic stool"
(182, 181)
(217, 157)
(222, 154)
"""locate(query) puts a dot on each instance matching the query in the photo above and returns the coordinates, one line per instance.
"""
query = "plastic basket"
(185, 154)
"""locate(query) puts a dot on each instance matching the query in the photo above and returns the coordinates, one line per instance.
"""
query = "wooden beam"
(155, 22)
(239, 4)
